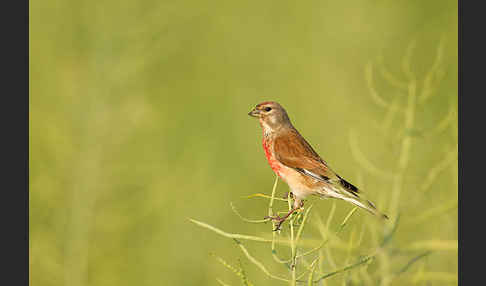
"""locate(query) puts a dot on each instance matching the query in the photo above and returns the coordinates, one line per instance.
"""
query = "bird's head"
(272, 115)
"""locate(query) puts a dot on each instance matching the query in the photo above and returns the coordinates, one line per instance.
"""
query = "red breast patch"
(274, 164)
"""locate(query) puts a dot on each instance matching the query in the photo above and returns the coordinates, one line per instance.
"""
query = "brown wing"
(292, 150)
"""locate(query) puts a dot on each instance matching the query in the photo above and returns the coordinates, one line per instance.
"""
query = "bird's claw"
(279, 224)
(278, 219)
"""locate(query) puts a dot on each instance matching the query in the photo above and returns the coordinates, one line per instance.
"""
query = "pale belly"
(297, 185)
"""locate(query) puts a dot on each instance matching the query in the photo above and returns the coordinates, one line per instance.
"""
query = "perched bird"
(296, 163)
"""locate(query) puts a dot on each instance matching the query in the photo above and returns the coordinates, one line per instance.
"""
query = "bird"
(293, 159)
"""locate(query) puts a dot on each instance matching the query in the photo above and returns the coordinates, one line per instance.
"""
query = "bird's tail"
(356, 199)
(365, 204)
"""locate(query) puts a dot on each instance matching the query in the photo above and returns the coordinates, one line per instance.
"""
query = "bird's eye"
(268, 109)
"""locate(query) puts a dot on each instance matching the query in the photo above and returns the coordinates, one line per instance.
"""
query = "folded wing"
(293, 151)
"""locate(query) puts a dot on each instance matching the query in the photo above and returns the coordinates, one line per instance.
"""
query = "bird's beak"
(254, 113)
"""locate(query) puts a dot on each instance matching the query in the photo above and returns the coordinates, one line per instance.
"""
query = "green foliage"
(293, 242)
(138, 121)
(384, 251)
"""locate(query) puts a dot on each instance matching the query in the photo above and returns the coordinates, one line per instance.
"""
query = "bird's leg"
(297, 205)
(280, 220)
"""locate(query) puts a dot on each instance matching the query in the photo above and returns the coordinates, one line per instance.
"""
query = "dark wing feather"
(292, 150)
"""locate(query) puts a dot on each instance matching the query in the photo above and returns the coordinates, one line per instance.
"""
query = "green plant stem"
(405, 147)
(292, 244)
(274, 234)
(325, 276)
(230, 235)
(258, 263)
(246, 219)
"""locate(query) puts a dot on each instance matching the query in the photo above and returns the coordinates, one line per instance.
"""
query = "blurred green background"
(138, 121)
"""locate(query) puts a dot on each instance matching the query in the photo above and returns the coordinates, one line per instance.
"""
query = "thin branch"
(405, 147)
(363, 161)
(428, 214)
(311, 276)
(292, 244)
(264, 196)
(434, 71)
(349, 267)
(312, 250)
(374, 94)
(312, 265)
(407, 60)
(443, 277)
(221, 282)
(439, 168)
(301, 227)
(434, 244)
(391, 113)
(274, 233)
(411, 262)
(389, 77)
(245, 219)
(343, 224)
(446, 121)
(258, 263)
(230, 235)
